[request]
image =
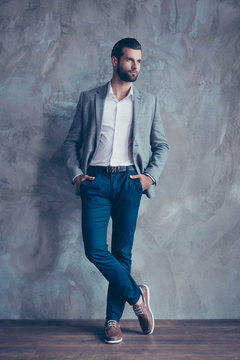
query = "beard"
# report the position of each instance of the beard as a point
(126, 75)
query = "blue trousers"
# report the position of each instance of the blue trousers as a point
(118, 196)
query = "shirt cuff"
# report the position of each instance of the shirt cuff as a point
(154, 181)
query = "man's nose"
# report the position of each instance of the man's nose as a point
(134, 66)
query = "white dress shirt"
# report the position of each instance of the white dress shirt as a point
(116, 139)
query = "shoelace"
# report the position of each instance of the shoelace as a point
(110, 323)
(138, 310)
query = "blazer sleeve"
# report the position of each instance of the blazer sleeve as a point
(159, 145)
(73, 142)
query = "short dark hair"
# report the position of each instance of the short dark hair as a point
(131, 43)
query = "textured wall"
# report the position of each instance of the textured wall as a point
(187, 240)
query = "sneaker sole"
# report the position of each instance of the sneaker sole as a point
(113, 341)
(148, 302)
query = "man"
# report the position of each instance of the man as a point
(115, 151)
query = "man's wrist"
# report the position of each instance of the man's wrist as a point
(75, 177)
(153, 180)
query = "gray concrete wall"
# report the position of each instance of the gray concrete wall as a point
(187, 240)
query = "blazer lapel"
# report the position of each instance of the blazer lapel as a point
(99, 103)
(136, 107)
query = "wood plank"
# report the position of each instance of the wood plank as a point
(83, 339)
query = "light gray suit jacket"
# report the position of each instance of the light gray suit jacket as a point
(150, 147)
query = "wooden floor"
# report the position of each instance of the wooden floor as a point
(82, 339)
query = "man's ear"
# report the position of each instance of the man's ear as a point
(114, 61)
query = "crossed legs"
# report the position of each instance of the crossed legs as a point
(115, 196)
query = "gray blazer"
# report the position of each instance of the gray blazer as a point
(150, 147)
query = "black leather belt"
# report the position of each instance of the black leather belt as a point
(114, 169)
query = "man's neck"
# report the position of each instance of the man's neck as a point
(120, 88)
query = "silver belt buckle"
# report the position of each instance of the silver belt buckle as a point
(113, 169)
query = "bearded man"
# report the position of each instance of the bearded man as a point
(115, 152)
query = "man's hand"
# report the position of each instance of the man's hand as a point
(145, 180)
(79, 179)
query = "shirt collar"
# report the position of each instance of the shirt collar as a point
(111, 94)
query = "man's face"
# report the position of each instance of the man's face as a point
(128, 66)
